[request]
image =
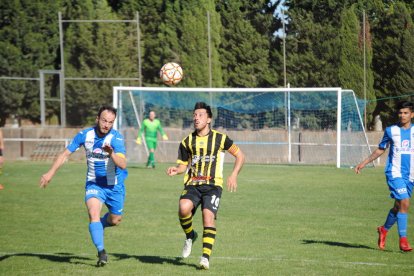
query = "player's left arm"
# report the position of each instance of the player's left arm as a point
(162, 132)
(238, 164)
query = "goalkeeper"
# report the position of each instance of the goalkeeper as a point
(151, 126)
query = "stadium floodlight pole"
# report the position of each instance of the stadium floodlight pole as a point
(210, 77)
(62, 76)
(284, 50)
(365, 70)
(139, 51)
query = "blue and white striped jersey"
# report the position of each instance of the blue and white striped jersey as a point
(101, 169)
(400, 161)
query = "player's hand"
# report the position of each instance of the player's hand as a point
(44, 180)
(165, 137)
(1, 160)
(138, 141)
(171, 171)
(358, 168)
(108, 149)
(232, 183)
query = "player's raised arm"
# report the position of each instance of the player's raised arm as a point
(60, 160)
(118, 158)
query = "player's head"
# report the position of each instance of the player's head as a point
(405, 112)
(202, 116)
(151, 115)
(405, 104)
(105, 119)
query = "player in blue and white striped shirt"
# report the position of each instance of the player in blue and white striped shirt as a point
(106, 161)
(399, 172)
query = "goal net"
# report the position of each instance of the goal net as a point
(270, 125)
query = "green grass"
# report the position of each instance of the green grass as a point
(283, 220)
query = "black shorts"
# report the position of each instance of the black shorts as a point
(206, 195)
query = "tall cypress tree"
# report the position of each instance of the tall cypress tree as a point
(29, 40)
(351, 67)
(244, 52)
(101, 50)
(193, 30)
(393, 60)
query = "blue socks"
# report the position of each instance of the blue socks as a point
(104, 220)
(402, 224)
(391, 219)
(97, 234)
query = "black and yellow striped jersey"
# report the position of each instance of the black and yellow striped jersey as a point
(204, 157)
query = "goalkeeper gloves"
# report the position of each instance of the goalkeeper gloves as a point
(138, 141)
(165, 137)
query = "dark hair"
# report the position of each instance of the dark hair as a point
(106, 107)
(405, 104)
(203, 105)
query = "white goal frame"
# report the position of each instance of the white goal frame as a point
(287, 91)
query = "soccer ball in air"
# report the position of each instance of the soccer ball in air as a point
(171, 73)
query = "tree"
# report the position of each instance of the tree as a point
(102, 50)
(393, 60)
(244, 52)
(28, 43)
(351, 66)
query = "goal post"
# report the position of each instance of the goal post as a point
(271, 125)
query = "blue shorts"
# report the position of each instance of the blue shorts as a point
(112, 196)
(400, 188)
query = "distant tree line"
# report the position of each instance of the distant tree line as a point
(324, 48)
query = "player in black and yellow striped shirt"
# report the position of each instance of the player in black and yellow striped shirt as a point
(201, 157)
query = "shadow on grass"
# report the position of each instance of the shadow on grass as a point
(340, 244)
(154, 259)
(57, 257)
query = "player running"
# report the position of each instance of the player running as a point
(399, 172)
(105, 157)
(201, 157)
(151, 126)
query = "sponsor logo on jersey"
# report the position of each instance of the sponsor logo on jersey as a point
(204, 158)
(200, 178)
(97, 153)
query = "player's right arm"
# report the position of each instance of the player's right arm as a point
(385, 142)
(140, 132)
(182, 165)
(377, 153)
(179, 169)
(60, 160)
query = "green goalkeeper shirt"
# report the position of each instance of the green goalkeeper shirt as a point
(151, 128)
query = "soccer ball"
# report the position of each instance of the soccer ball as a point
(171, 73)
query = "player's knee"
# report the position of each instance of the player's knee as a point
(182, 213)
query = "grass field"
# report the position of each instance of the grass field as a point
(283, 220)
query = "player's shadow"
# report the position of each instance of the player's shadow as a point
(340, 244)
(57, 257)
(154, 259)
